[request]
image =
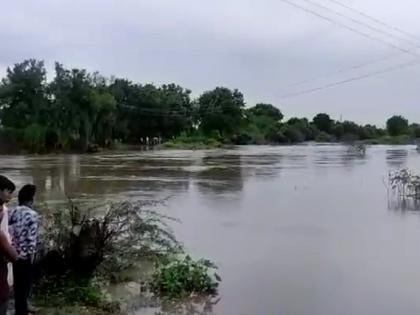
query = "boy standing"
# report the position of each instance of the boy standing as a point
(23, 225)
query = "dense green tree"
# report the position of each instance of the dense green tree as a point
(346, 131)
(397, 125)
(308, 130)
(323, 122)
(103, 116)
(415, 130)
(222, 110)
(371, 132)
(72, 106)
(78, 109)
(293, 133)
(266, 110)
(23, 99)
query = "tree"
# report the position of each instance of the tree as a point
(346, 131)
(323, 122)
(23, 99)
(103, 116)
(293, 133)
(72, 106)
(397, 125)
(221, 110)
(266, 110)
(178, 110)
(415, 130)
(309, 131)
(370, 132)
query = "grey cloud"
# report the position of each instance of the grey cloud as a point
(259, 47)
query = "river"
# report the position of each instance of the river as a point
(294, 229)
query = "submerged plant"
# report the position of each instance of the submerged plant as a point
(358, 147)
(113, 237)
(405, 188)
(405, 184)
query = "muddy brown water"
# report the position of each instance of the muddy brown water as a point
(295, 230)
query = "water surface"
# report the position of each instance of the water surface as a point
(295, 230)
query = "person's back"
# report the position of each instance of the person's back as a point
(23, 224)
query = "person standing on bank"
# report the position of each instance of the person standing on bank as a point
(7, 252)
(23, 225)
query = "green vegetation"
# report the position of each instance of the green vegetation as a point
(88, 249)
(193, 142)
(83, 111)
(397, 125)
(186, 277)
(64, 290)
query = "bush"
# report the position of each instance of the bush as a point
(102, 243)
(242, 139)
(193, 142)
(113, 237)
(64, 290)
(184, 278)
(397, 125)
(397, 140)
(293, 134)
(324, 137)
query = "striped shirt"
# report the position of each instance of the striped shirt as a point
(23, 226)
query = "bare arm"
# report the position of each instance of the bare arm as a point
(6, 249)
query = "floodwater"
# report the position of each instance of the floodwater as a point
(295, 230)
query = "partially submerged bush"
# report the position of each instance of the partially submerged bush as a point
(185, 278)
(113, 237)
(405, 184)
(405, 190)
(357, 148)
(101, 242)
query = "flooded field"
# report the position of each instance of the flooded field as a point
(295, 230)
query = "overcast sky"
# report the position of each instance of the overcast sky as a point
(261, 47)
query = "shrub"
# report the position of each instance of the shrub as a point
(64, 290)
(324, 137)
(293, 134)
(184, 278)
(113, 237)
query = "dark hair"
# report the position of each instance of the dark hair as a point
(26, 194)
(6, 183)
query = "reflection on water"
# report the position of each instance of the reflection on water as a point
(294, 229)
(221, 174)
(396, 158)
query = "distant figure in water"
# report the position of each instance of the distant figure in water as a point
(7, 252)
(23, 225)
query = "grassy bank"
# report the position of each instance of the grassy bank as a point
(192, 143)
(389, 140)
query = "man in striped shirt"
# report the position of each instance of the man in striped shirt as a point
(23, 225)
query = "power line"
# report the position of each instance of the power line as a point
(356, 78)
(343, 70)
(378, 21)
(353, 67)
(364, 64)
(356, 21)
(350, 28)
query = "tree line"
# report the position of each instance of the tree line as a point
(77, 109)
